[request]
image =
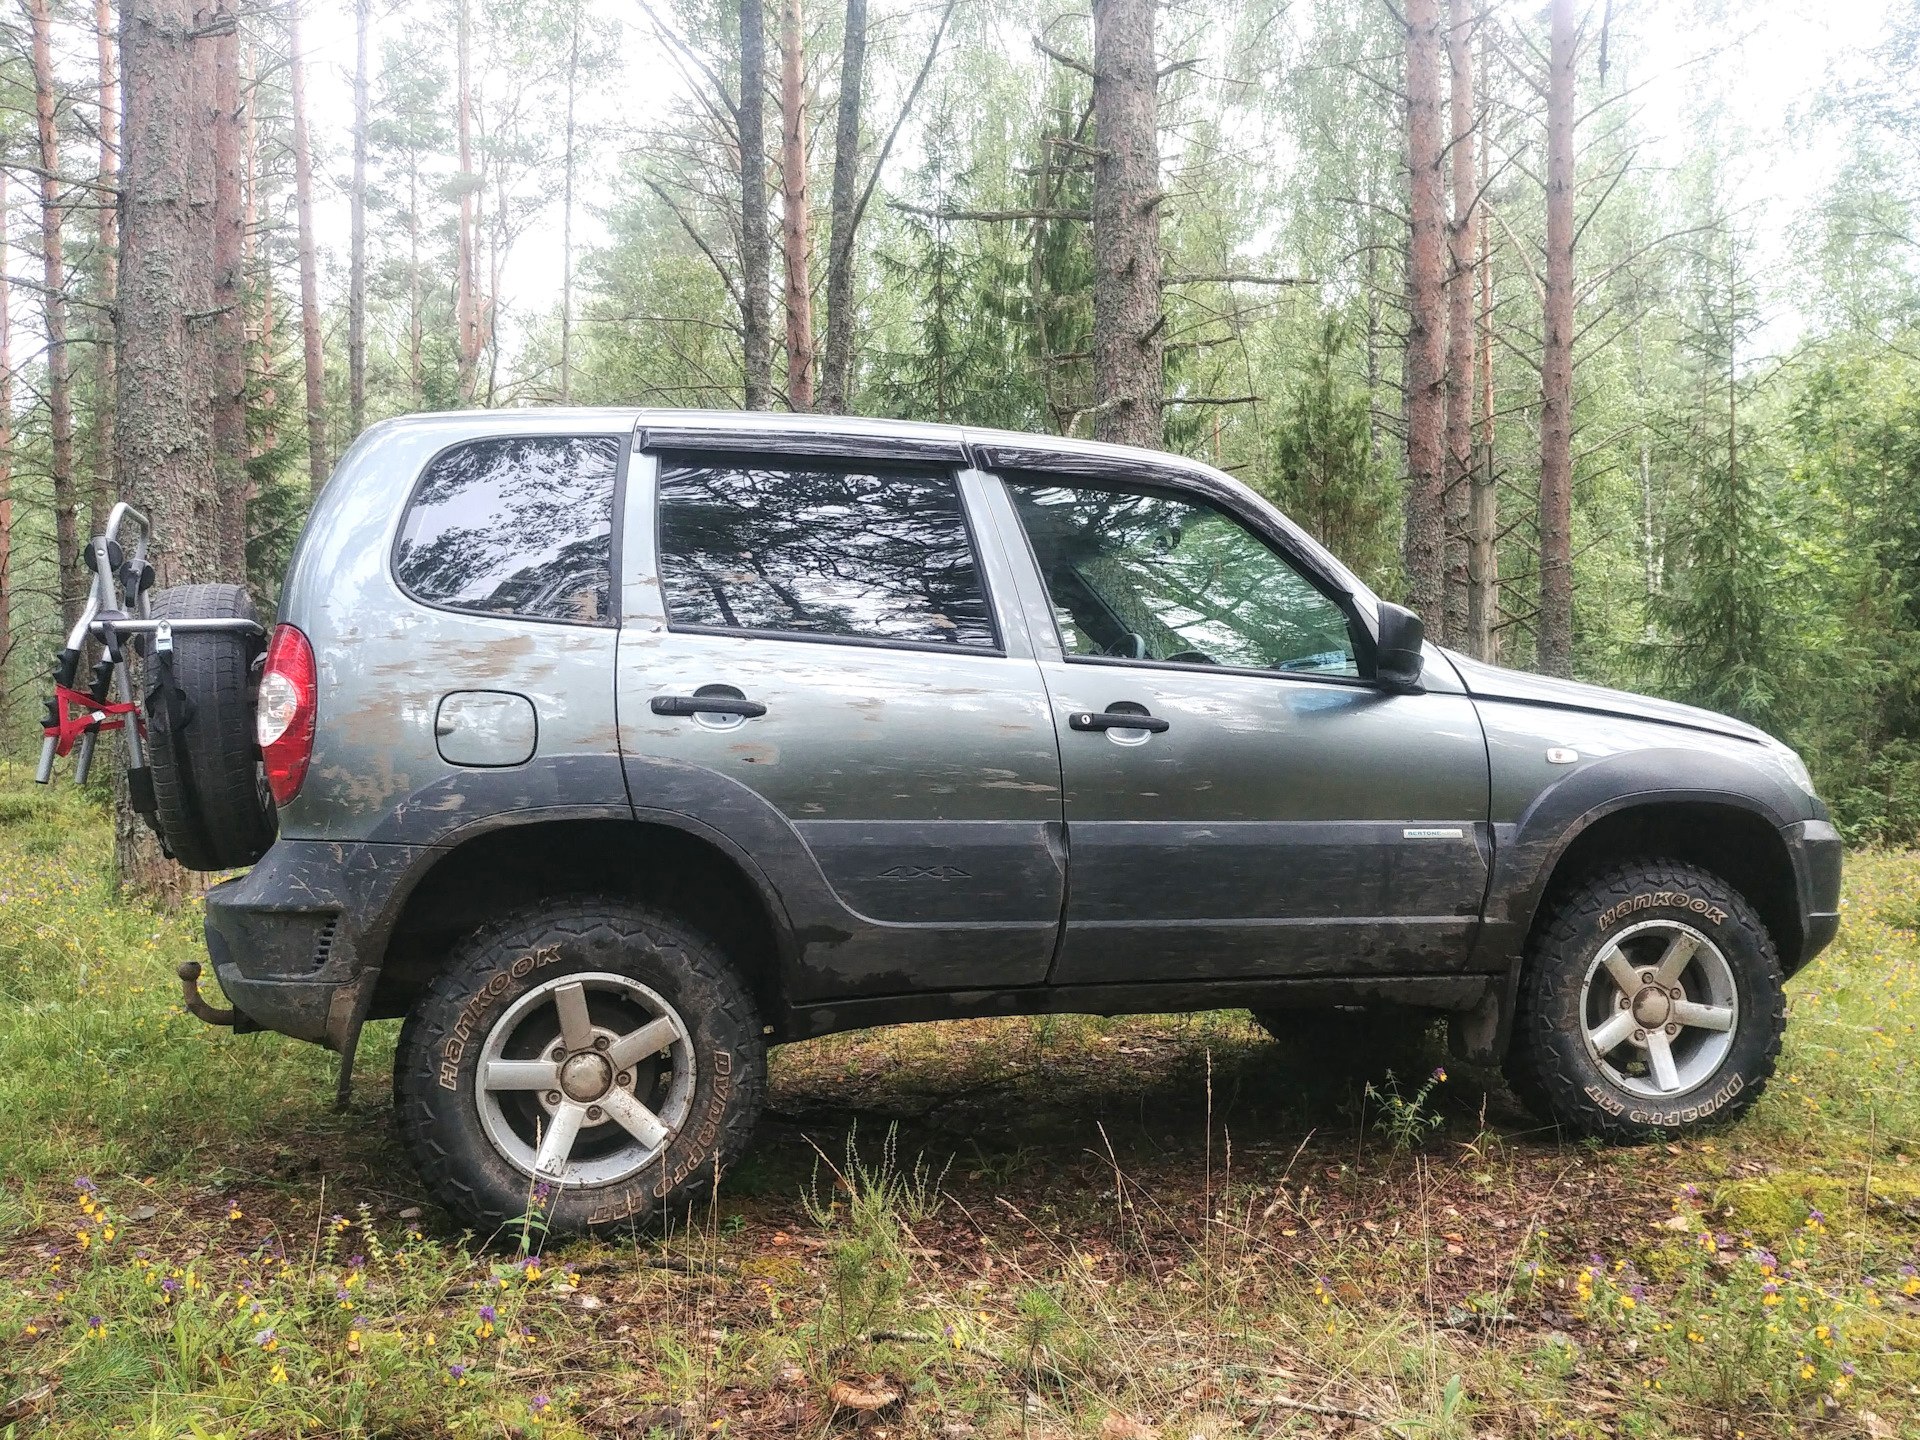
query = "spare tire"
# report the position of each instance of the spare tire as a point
(212, 805)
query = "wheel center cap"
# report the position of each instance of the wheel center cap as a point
(1652, 1006)
(586, 1077)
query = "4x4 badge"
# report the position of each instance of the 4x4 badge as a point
(924, 872)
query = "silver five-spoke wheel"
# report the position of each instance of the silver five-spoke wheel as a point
(1659, 1008)
(585, 1079)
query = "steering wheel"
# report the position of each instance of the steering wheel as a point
(1133, 646)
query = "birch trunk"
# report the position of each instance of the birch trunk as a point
(1426, 316)
(309, 262)
(1554, 652)
(795, 221)
(1127, 322)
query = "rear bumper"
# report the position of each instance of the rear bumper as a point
(1817, 852)
(297, 941)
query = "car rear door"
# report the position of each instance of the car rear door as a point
(811, 662)
(1273, 814)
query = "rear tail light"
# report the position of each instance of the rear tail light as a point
(283, 719)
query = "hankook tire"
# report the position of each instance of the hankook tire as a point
(1651, 1005)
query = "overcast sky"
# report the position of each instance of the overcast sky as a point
(1766, 68)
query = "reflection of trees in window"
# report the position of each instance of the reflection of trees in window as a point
(1182, 577)
(881, 555)
(517, 525)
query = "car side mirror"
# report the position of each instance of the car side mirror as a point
(1397, 656)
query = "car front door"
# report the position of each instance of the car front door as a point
(1273, 813)
(810, 661)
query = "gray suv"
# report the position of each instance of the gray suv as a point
(609, 747)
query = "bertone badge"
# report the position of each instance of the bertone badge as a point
(1560, 755)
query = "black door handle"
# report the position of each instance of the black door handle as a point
(1116, 720)
(707, 705)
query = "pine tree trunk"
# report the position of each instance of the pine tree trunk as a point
(1483, 560)
(846, 185)
(796, 217)
(105, 492)
(66, 500)
(262, 369)
(1426, 316)
(1554, 653)
(357, 202)
(416, 385)
(218, 58)
(1461, 279)
(6, 446)
(566, 218)
(756, 245)
(309, 262)
(466, 295)
(1127, 322)
(165, 456)
(496, 273)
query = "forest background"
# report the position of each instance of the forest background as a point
(1591, 328)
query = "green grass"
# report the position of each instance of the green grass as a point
(1034, 1228)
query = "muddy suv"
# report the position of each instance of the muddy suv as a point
(610, 747)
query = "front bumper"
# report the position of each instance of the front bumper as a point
(297, 941)
(1817, 852)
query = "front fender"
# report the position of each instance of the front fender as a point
(1529, 848)
(1544, 821)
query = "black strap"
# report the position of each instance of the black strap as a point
(173, 711)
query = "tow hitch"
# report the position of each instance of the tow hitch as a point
(189, 973)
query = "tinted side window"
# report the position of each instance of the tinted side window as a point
(871, 553)
(515, 526)
(1146, 576)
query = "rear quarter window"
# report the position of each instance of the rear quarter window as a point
(515, 525)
